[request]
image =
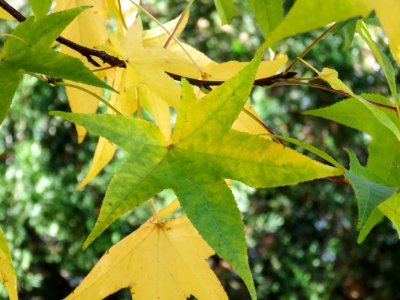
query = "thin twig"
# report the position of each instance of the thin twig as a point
(289, 67)
(249, 113)
(328, 88)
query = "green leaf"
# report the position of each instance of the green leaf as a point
(55, 64)
(42, 32)
(9, 81)
(369, 194)
(375, 217)
(269, 13)
(40, 7)
(226, 10)
(306, 15)
(7, 272)
(384, 149)
(382, 59)
(204, 152)
(31, 51)
(391, 209)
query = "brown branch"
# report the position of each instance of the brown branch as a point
(328, 88)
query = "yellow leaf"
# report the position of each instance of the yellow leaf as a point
(128, 12)
(159, 261)
(225, 71)
(125, 102)
(5, 15)
(332, 77)
(81, 102)
(249, 121)
(158, 108)
(388, 12)
(7, 272)
(88, 29)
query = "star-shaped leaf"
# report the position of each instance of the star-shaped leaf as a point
(203, 153)
(376, 182)
(160, 260)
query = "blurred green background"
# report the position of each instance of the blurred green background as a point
(302, 239)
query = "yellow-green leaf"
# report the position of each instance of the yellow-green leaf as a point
(7, 272)
(306, 15)
(205, 151)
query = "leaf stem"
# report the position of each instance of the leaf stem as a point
(249, 113)
(328, 88)
(154, 209)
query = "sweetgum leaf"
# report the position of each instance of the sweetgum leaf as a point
(160, 260)
(204, 151)
(384, 149)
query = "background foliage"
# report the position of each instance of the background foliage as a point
(302, 239)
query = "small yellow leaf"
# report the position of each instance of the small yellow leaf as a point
(159, 261)
(332, 77)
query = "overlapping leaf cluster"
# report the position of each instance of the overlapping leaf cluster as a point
(217, 136)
